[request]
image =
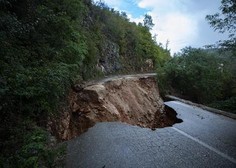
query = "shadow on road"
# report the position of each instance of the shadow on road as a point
(166, 119)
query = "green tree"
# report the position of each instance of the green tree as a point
(225, 21)
(196, 74)
(148, 22)
(42, 50)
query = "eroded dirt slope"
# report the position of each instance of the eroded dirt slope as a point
(134, 100)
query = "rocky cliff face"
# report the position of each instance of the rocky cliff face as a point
(110, 58)
(134, 100)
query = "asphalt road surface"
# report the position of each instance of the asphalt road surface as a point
(203, 140)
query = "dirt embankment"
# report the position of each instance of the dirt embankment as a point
(133, 100)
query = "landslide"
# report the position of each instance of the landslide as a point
(133, 100)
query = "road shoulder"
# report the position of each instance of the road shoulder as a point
(210, 109)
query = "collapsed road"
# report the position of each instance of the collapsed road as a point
(107, 124)
(132, 99)
(203, 139)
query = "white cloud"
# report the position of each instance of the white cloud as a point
(172, 22)
(179, 29)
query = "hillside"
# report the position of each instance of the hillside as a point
(47, 46)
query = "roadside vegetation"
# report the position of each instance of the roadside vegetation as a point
(205, 76)
(208, 75)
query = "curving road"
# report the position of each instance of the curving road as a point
(111, 78)
(203, 139)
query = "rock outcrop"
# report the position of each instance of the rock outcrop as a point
(133, 100)
(110, 58)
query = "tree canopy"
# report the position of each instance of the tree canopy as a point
(147, 21)
(201, 75)
(225, 22)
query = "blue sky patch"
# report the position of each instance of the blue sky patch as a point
(131, 7)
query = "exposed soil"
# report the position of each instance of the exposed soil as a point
(166, 119)
(133, 100)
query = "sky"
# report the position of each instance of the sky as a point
(181, 22)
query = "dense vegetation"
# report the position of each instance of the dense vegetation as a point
(47, 46)
(206, 76)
